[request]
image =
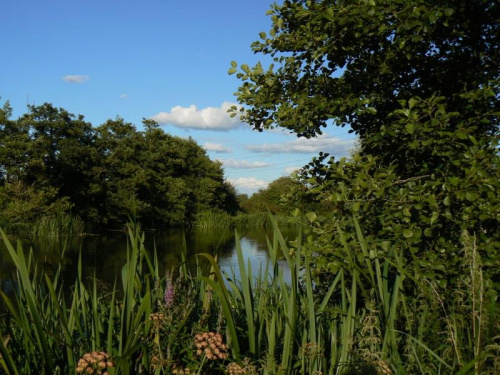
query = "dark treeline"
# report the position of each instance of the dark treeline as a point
(52, 161)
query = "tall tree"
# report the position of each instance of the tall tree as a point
(62, 148)
(53, 160)
(418, 81)
(14, 139)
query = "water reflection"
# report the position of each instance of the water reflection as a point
(105, 255)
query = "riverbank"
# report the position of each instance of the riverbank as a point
(205, 321)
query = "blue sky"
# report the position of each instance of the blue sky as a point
(166, 60)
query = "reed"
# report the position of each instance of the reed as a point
(213, 220)
(62, 224)
(366, 320)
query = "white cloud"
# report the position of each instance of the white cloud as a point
(76, 78)
(290, 170)
(124, 96)
(231, 163)
(210, 118)
(248, 185)
(323, 143)
(216, 147)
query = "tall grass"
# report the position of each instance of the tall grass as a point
(48, 333)
(211, 220)
(61, 224)
(366, 320)
(58, 225)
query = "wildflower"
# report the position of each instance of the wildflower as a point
(169, 292)
(94, 363)
(245, 369)
(210, 344)
(235, 369)
(181, 371)
(158, 319)
(382, 368)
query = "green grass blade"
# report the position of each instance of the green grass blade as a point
(247, 296)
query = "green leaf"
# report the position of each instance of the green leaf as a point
(311, 216)
(356, 206)
(408, 233)
(470, 196)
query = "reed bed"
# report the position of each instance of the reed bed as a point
(57, 226)
(213, 220)
(61, 224)
(364, 320)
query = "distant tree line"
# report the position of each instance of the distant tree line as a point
(53, 161)
(272, 198)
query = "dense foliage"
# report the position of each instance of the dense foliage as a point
(418, 82)
(400, 272)
(270, 198)
(52, 161)
(268, 322)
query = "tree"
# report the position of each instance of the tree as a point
(418, 81)
(354, 62)
(14, 138)
(52, 160)
(165, 179)
(270, 198)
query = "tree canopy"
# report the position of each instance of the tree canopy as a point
(52, 160)
(270, 198)
(418, 81)
(354, 61)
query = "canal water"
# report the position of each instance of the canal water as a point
(104, 255)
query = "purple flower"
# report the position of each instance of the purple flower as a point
(169, 292)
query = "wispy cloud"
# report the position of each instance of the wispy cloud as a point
(76, 78)
(124, 96)
(209, 118)
(244, 164)
(216, 147)
(248, 185)
(323, 143)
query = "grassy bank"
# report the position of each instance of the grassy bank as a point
(362, 321)
(212, 220)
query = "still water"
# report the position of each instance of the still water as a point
(105, 255)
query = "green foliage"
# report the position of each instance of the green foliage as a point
(353, 61)
(22, 205)
(260, 219)
(364, 322)
(270, 198)
(424, 214)
(102, 174)
(211, 220)
(418, 82)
